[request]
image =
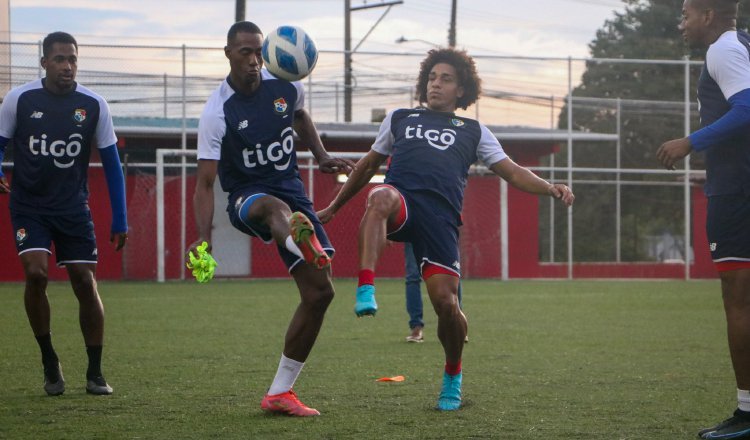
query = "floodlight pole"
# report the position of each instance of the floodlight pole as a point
(452, 28)
(348, 47)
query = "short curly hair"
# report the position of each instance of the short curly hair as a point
(465, 69)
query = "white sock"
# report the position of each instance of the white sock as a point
(743, 400)
(286, 375)
(292, 246)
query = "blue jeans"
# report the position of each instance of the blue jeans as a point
(413, 277)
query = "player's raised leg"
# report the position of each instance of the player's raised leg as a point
(316, 293)
(383, 205)
(443, 291)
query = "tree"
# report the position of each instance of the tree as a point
(651, 98)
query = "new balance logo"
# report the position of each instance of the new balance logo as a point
(243, 124)
(37, 115)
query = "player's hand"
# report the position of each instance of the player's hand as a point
(326, 215)
(4, 187)
(672, 151)
(562, 192)
(194, 248)
(119, 239)
(330, 165)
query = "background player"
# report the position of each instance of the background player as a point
(724, 95)
(432, 150)
(245, 135)
(53, 123)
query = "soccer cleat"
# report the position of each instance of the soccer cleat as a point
(54, 383)
(98, 386)
(737, 426)
(450, 395)
(287, 403)
(303, 234)
(365, 304)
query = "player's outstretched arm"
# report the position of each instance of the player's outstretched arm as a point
(203, 203)
(523, 179)
(308, 135)
(363, 172)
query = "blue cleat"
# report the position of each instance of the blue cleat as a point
(365, 304)
(737, 426)
(450, 395)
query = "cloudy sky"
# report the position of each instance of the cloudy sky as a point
(504, 27)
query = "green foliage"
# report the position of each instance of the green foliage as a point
(552, 360)
(651, 110)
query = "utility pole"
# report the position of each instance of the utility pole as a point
(452, 29)
(347, 61)
(239, 10)
(348, 47)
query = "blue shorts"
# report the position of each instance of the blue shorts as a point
(296, 198)
(431, 226)
(73, 235)
(728, 228)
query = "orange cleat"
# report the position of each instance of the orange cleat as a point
(303, 234)
(287, 403)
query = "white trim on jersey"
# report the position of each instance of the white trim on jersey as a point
(212, 127)
(384, 140)
(10, 107)
(105, 128)
(300, 102)
(728, 63)
(489, 150)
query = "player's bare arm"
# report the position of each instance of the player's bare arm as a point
(360, 176)
(308, 135)
(203, 202)
(523, 179)
(672, 151)
(4, 186)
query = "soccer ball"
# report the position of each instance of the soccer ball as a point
(289, 53)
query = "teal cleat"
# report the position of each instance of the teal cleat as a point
(450, 395)
(365, 304)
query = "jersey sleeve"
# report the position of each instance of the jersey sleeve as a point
(211, 129)
(728, 64)
(8, 115)
(384, 141)
(300, 102)
(489, 150)
(105, 129)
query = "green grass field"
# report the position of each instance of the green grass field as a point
(547, 360)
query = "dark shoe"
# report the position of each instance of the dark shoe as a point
(54, 383)
(737, 426)
(98, 386)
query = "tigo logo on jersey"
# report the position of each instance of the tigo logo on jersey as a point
(276, 153)
(280, 105)
(58, 149)
(21, 235)
(437, 139)
(79, 115)
(457, 122)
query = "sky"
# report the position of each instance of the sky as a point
(531, 28)
(501, 27)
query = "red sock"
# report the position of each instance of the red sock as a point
(366, 276)
(453, 369)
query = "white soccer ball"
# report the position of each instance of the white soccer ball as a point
(289, 53)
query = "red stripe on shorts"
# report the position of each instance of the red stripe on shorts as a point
(724, 266)
(430, 269)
